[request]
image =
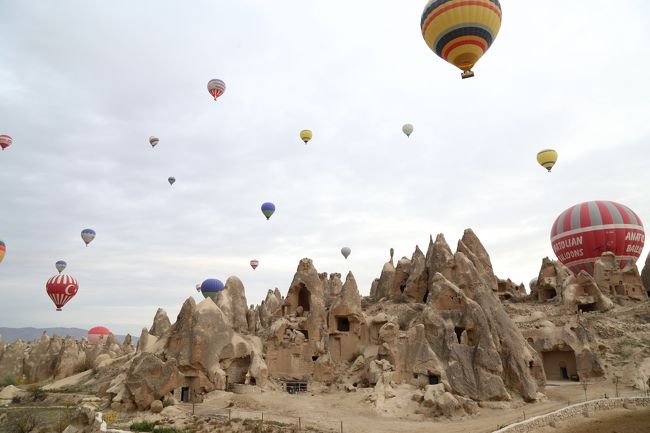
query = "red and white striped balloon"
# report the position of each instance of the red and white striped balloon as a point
(583, 232)
(254, 264)
(216, 88)
(61, 288)
(5, 141)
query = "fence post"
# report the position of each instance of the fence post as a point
(229, 414)
(341, 426)
(524, 412)
(262, 418)
(299, 424)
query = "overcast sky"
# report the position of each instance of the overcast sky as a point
(83, 84)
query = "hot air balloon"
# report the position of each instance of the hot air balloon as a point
(305, 135)
(60, 265)
(268, 209)
(461, 31)
(88, 235)
(211, 287)
(198, 287)
(254, 264)
(5, 141)
(61, 288)
(547, 158)
(153, 141)
(346, 251)
(3, 250)
(407, 129)
(171, 180)
(97, 334)
(583, 232)
(216, 88)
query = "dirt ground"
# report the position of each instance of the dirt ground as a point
(326, 410)
(613, 421)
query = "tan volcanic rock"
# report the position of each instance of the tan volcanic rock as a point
(13, 358)
(645, 275)
(232, 303)
(149, 379)
(161, 323)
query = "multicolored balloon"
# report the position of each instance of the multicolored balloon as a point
(583, 232)
(268, 209)
(171, 180)
(98, 333)
(461, 31)
(61, 288)
(88, 235)
(216, 88)
(407, 129)
(5, 141)
(210, 287)
(255, 264)
(346, 251)
(153, 141)
(60, 265)
(305, 135)
(3, 250)
(547, 158)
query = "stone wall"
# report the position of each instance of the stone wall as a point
(535, 423)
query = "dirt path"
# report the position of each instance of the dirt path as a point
(326, 411)
(612, 421)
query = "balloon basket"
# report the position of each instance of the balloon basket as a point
(467, 74)
(58, 309)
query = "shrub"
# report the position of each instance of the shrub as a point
(111, 417)
(8, 379)
(167, 430)
(142, 426)
(36, 393)
(168, 402)
(23, 421)
(16, 399)
(83, 366)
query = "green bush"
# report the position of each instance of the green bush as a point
(145, 426)
(8, 379)
(168, 402)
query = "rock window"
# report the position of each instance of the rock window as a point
(459, 333)
(434, 379)
(342, 324)
(305, 333)
(304, 298)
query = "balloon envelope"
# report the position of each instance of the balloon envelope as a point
(346, 252)
(3, 250)
(268, 209)
(216, 88)
(5, 141)
(460, 32)
(88, 235)
(96, 334)
(254, 264)
(60, 265)
(583, 232)
(61, 288)
(547, 158)
(171, 180)
(211, 287)
(305, 135)
(153, 141)
(407, 129)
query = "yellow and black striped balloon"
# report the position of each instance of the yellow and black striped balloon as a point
(547, 158)
(461, 31)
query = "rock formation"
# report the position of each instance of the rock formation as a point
(56, 358)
